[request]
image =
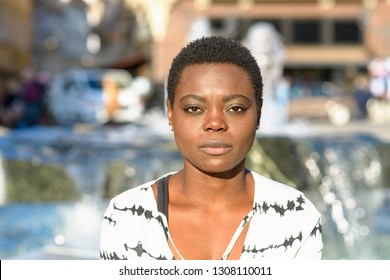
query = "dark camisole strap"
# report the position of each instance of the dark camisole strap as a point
(162, 196)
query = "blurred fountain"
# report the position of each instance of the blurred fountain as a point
(266, 46)
(346, 176)
(59, 182)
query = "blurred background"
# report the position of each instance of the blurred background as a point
(82, 114)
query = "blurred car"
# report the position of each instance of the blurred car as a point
(96, 96)
(326, 103)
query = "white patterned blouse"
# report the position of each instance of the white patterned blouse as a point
(283, 224)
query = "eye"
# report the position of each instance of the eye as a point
(192, 109)
(237, 109)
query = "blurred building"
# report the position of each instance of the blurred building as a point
(15, 37)
(324, 39)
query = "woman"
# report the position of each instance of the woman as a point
(217, 209)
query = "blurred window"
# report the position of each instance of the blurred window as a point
(346, 31)
(306, 31)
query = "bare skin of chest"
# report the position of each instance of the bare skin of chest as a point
(206, 235)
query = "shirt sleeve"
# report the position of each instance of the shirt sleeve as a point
(112, 245)
(311, 248)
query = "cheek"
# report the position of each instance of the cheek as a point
(244, 127)
(184, 132)
(186, 143)
(244, 135)
(184, 122)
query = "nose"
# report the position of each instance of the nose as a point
(215, 121)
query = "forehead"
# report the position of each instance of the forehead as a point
(215, 78)
(214, 71)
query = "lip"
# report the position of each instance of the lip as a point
(215, 148)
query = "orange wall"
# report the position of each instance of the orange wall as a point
(15, 34)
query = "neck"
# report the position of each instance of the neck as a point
(213, 192)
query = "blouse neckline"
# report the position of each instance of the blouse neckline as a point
(244, 222)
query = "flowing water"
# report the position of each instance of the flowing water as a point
(347, 184)
(55, 184)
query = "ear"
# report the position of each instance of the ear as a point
(259, 106)
(169, 111)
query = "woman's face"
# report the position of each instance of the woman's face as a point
(214, 117)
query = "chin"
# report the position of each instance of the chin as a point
(222, 171)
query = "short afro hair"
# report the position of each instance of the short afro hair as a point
(215, 49)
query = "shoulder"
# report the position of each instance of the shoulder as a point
(271, 187)
(141, 195)
(134, 206)
(287, 208)
(132, 227)
(138, 195)
(282, 198)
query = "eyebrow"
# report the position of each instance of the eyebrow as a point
(193, 96)
(235, 96)
(224, 99)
